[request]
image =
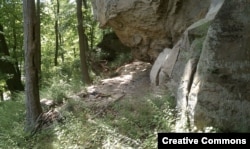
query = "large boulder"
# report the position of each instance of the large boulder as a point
(205, 59)
(148, 26)
(220, 91)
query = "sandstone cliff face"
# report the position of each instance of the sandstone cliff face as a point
(204, 59)
(148, 26)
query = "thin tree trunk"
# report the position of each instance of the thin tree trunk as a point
(74, 49)
(57, 33)
(1, 96)
(3, 45)
(15, 51)
(38, 37)
(33, 106)
(61, 49)
(92, 37)
(16, 64)
(83, 44)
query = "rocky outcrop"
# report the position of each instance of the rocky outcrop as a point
(148, 26)
(204, 59)
(210, 77)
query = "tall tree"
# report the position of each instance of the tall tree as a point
(15, 49)
(57, 31)
(33, 106)
(38, 38)
(1, 96)
(7, 67)
(83, 43)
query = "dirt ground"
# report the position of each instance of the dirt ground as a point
(133, 82)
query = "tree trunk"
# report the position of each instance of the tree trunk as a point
(38, 37)
(33, 106)
(57, 33)
(83, 44)
(16, 65)
(92, 36)
(61, 44)
(1, 96)
(7, 68)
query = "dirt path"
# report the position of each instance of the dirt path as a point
(133, 82)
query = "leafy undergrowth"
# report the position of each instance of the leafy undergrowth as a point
(11, 124)
(127, 123)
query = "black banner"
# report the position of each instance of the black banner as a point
(166, 139)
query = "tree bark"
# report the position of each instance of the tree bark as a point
(7, 68)
(92, 36)
(1, 96)
(16, 65)
(83, 44)
(61, 44)
(38, 38)
(33, 106)
(57, 32)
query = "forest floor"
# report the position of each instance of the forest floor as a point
(132, 81)
(123, 111)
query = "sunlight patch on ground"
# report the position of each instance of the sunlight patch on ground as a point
(124, 79)
(133, 76)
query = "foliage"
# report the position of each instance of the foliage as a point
(13, 30)
(141, 119)
(11, 126)
(69, 62)
(127, 123)
(68, 48)
(120, 60)
(59, 89)
(13, 27)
